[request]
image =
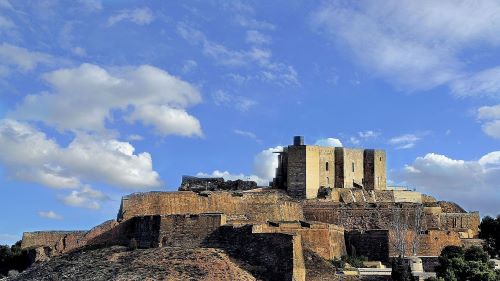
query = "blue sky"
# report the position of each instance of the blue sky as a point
(99, 99)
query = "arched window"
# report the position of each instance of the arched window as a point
(326, 166)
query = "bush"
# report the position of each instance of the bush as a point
(457, 264)
(353, 261)
(490, 233)
(13, 258)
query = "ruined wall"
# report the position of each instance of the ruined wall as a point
(46, 238)
(326, 240)
(373, 244)
(312, 171)
(462, 222)
(239, 208)
(296, 171)
(269, 256)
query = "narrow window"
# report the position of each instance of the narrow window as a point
(326, 166)
(327, 179)
(380, 158)
(353, 167)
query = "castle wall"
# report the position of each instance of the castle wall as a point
(312, 171)
(462, 222)
(380, 174)
(326, 240)
(46, 238)
(353, 170)
(245, 207)
(296, 171)
(373, 244)
(326, 166)
(361, 216)
(269, 256)
(431, 242)
(407, 196)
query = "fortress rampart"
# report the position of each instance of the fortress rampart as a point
(245, 207)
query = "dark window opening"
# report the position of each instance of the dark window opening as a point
(326, 166)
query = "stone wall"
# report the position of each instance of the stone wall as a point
(373, 244)
(374, 169)
(360, 216)
(350, 162)
(190, 183)
(246, 207)
(186, 231)
(312, 172)
(268, 256)
(463, 222)
(296, 171)
(407, 196)
(431, 242)
(326, 240)
(326, 166)
(46, 238)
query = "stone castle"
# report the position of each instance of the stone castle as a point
(324, 201)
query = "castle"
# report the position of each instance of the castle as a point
(323, 201)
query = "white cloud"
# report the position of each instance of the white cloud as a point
(140, 16)
(85, 198)
(84, 97)
(167, 120)
(50, 215)
(91, 5)
(329, 142)
(79, 51)
(247, 134)
(252, 23)
(6, 23)
(368, 134)
(491, 117)
(135, 137)
(240, 103)
(471, 183)
(483, 83)
(27, 154)
(417, 45)
(269, 70)
(256, 37)
(21, 58)
(264, 168)
(188, 66)
(404, 141)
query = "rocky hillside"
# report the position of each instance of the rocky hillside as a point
(118, 263)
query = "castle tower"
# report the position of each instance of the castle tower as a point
(303, 169)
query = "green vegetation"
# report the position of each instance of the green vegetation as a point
(353, 261)
(401, 271)
(459, 264)
(13, 258)
(490, 232)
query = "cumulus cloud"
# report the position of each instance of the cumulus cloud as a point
(329, 142)
(404, 141)
(269, 70)
(139, 16)
(84, 97)
(472, 183)
(85, 198)
(417, 45)
(264, 168)
(28, 154)
(50, 215)
(490, 115)
(21, 58)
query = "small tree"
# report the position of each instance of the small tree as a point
(401, 271)
(457, 264)
(490, 233)
(418, 227)
(399, 229)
